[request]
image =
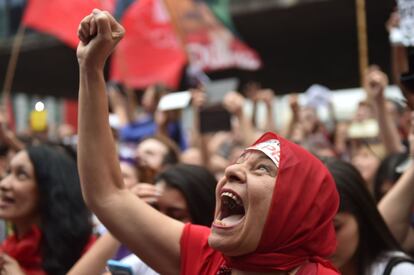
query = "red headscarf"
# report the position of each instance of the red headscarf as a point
(299, 227)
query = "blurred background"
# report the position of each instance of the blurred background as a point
(300, 42)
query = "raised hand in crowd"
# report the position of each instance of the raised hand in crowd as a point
(293, 124)
(251, 92)
(375, 83)
(397, 205)
(268, 96)
(98, 37)
(234, 104)
(122, 103)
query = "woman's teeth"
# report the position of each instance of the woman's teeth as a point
(232, 210)
(233, 197)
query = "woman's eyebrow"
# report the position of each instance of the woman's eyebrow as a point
(264, 157)
(23, 167)
(241, 157)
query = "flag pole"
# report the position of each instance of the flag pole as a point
(14, 57)
(11, 67)
(362, 38)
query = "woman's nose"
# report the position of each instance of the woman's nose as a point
(235, 173)
(5, 183)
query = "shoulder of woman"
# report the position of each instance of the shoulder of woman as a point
(403, 268)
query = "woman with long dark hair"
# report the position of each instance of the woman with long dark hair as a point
(41, 198)
(365, 244)
(196, 186)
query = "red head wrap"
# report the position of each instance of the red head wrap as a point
(299, 226)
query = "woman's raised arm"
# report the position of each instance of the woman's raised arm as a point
(151, 235)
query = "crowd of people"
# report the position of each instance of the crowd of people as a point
(315, 198)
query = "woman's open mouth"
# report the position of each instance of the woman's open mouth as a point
(231, 210)
(6, 200)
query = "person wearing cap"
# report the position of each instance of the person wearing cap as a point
(275, 205)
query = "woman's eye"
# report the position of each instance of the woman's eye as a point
(22, 175)
(264, 168)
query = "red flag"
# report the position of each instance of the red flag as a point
(61, 18)
(150, 51)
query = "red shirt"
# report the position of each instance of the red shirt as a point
(197, 257)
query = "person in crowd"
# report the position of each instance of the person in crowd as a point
(264, 222)
(213, 149)
(366, 156)
(256, 94)
(306, 128)
(399, 58)
(398, 203)
(365, 244)
(130, 173)
(183, 192)
(154, 154)
(388, 173)
(400, 116)
(136, 126)
(369, 145)
(375, 83)
(192, 187)
(41, 198)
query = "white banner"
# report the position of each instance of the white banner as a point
(406, 11)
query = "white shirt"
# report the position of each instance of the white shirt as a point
(404, 268)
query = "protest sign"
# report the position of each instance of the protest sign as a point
(406, 11)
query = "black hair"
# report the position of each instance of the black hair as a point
(65, 220)
(387, 171)
(374, 236)
(198, 185)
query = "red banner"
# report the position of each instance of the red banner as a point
(210, 45)
(61, 18)
(150, 51)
